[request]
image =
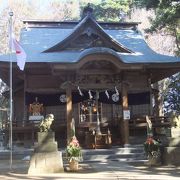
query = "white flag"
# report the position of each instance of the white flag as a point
(107, 94)
(80, 92)
(20, 53)
(90, 95)
(116, 90)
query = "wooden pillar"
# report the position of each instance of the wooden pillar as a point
(125, 108)
(69, 111)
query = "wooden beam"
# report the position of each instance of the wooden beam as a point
(97, 71)
(98, 86)
(43, 90)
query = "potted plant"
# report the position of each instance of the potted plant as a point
(74, 154)
(152, 150)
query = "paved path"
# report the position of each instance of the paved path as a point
(109, 170)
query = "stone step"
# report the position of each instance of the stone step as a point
(113, 151)
(114, 157)
(20, 154)
(132, 153)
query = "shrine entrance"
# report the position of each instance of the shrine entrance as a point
(96, 118)
(96, 133)
(90, 111)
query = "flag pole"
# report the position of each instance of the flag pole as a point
(11, 99)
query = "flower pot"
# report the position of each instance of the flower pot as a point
(74, 165)
(154, 160)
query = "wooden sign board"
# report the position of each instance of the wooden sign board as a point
(126, 114)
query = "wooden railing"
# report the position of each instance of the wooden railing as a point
(140, 122)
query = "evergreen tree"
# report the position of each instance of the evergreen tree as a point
(172, 96)
(167, 19)
(110, 10)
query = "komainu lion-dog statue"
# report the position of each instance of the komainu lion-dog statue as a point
(45, 124)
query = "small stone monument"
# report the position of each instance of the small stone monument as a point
(171, 155)
(46, 157)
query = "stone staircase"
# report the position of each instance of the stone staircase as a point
(132, 153)
(17, 154)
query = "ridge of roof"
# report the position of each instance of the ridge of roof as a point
(78, 30)
(39, 23)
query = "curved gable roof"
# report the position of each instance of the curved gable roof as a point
(92, 34)
(40, 35)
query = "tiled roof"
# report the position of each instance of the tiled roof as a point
(37, 39)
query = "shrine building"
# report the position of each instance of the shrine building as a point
(97, 74)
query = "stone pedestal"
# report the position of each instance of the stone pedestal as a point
(46, 157)
(171, 153)
(171, 156)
